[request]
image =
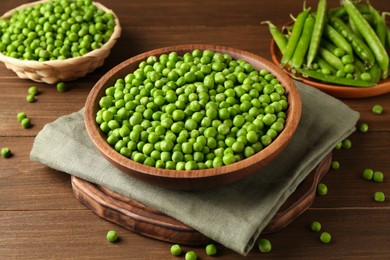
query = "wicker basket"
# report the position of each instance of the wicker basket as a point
(61, 70)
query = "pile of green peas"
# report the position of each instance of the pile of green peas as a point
(55, 30)
(196, 111)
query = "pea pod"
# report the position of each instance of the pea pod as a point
(358, 45)
(330, 58)
(294, 37)
(332, 48)
(379, 25)
(335, 80)
(324, 65)
(375, 73)
(353, 27)
(337, 39)
(317, 31)
(303, 43)
(278, 36)
(340, 10)
(370, 36)
(388, 38)
(360, 66)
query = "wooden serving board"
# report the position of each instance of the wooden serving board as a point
(148, 222)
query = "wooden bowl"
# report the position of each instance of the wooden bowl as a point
(338, 91)
(192, 179)
(54, 71)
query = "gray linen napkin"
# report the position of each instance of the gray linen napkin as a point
(233, 215)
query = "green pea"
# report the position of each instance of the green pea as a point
(315, 226)
(379, 196)
(61, 87)
(363, 127)
(346, 144)
(176, 250)
(325, 237)
(25, 123)
(335, 165)
(211, 250)
(322, 189)
(30, 98)
(112, 236)
(264, 245)
(33, 90)
(5, 152)
(20, 116)
(228, 159)
(191, 255)
(377, 109)
(378, 176)
(368, 174)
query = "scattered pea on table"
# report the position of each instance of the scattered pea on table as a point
(191, 255)
(264, 245)
(112, 235)
(5, 152)
(378, 176)
(30, 98)
(363, 127)
(347, 144)
(33, 90)
(315, 226)
(325, 237)
(176, 249)
(211, 249)
(368, 174)
(25, 123)
(335, 165)
(377, 109)
(20, 116)
(379, 196)
(61, 87)
(322, 189)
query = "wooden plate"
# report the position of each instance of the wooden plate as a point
(148, 222)
(193, 179)
(335, 90)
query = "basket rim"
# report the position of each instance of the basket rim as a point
(54, 63)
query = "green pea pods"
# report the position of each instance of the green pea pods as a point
(337, 39)
(353, 27)
(278, 36)
(330, 58)
(303, 43)
(375, 73)
(388, 38)
(294, 37)
(332, 48)
(324, 65)
(335, 80)
(379, 25)
(370, 36)
(341, 13)
(358, 45)
(360, 66)
(317, 32)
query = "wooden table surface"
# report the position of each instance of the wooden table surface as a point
(41, 219)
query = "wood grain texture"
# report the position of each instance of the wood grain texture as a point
(41, 219)
(193, 179)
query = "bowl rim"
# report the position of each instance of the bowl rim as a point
(53, 63)
(261, 158)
